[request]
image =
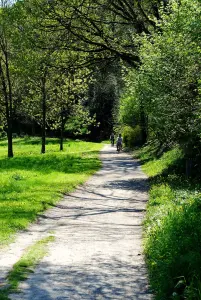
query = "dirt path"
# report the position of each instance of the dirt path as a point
(97, 248)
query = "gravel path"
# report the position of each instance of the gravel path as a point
(97, 248)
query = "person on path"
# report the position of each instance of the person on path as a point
(119, 142)
(112, 138)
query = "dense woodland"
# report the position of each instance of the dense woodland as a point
(85, 67)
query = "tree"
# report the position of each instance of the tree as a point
(104, 91)
(101, 32)
(101, 28)
(69, 90)
(8, 56)
(167, 82)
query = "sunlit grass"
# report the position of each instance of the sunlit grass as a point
(25, 265)
(31, 257)
(106, 142)
(157, 165)
(172, 227)
(30, 181)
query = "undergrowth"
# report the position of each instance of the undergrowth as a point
(172, 227)
(30, 181)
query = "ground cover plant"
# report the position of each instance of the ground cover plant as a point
(30, 181)
(172, 227)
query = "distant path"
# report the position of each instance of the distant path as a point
(97, 251)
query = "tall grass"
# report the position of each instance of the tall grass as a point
(29, 182)
(172, 227)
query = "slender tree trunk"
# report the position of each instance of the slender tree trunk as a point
(62, 132)
(43, 113)
(8, 106)
(10, 139)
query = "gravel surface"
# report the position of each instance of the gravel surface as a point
(97, 250)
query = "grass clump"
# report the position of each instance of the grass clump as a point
(172, 227)
(30, 182)
(25, 265)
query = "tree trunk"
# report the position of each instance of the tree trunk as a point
(10, 139)
(8, 106)
(43, 114)
(62, 132)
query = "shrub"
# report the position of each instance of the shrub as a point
(132, 136)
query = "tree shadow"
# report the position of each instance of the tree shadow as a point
(50, 163)
(27, 141)
(114, 279)
(175, 176)
(84, 212)
(153, 151)
(137, 184)
(96, 202)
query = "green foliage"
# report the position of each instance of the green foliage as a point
(104, 91)
(129, 107)
(163, 95)
(172, 228)
(110, 24)
(80, 121)
(30, 182)
(132, 136)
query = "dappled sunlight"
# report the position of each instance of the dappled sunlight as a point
(29, 181)
(112, 279)
(51, 163)
(97, 252)
(155, 166)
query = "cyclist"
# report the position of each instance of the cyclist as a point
(119, 142)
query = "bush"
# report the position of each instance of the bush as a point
(132, 136)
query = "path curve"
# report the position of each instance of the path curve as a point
(97, 250)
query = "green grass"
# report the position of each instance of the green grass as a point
(29, 181)
(172, 227)
(25, 265)
(106, 142)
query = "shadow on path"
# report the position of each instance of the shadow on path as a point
(98, 232)
(88, 281)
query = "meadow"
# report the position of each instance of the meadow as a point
(30, 182)
(172, 238)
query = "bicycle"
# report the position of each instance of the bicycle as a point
(119, 147)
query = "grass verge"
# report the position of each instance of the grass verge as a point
(30, 182)
(172, 227)
(25, 266)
